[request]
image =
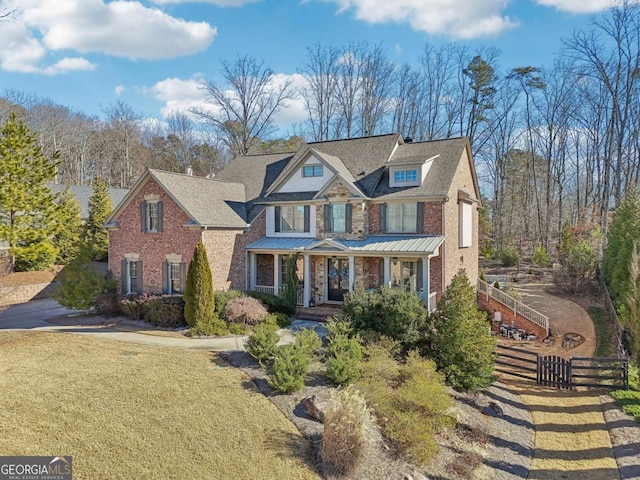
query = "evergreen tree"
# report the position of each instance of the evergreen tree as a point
(67, 241)
(625, 229)
(198, 294)
(96, 235)
(461, 344)
(28, 210)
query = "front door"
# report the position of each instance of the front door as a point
(337, 279)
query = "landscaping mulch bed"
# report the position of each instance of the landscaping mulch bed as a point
(493, 440)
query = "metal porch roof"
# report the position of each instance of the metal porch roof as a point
(375, 244)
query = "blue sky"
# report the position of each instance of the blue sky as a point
(88, 54)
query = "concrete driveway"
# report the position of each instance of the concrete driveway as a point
(32, 314)
(48, 315)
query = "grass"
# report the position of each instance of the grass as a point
(132, 411)
(629, 400)
(604, 334)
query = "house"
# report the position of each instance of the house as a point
(83, 193)
(362, 212)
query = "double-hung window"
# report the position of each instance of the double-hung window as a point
(402, 217)
(312, 171)
(131, 276)
(337, 218)
(173, 277)
(151, 216)
(292, 218)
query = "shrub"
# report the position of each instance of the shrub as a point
(510, 255)
(34, 256)
(134, 306)
(81, 284)
(461, 343)
(108, 304)
(540, 256)
(271, 321)
(289, 293)
(262, 344)
(290, 365)
(282, 319)
(393, 312)
(221, 299)
(347, 423)
(165, 311)
(274, 304)
(344, 355)
(411, 401)
(339, 324)
(211, 327)
(308, 341)
(246, 310)
(198, 294)
(629, 401)
(237, 328)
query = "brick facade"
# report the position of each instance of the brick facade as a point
(152, 248)
(508, 317)
(226, 251)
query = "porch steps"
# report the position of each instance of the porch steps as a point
(319, 313)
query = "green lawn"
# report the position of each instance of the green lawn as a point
(604, 334)
(140, 412)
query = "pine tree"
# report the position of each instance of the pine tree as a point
(461, 344)
(28, 210)
(96, 235)
(67, 241)
(198, 294)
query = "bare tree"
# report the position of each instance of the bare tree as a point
(243, 110)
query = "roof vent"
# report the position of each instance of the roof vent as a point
(408, 139)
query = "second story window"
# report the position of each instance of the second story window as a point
(402, 217)
(312, 171)
(292, 219)
(337, 218)
(151, 216)
(405, 176)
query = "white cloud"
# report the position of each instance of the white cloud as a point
(119, 90)
(454, 18)
(69, 64)
(578, 6)
(180, 95)
(122, 28)
(220, 3)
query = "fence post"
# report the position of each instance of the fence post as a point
(539, 369)
(570, 373)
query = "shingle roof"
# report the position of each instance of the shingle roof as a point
(209, 202)
(82, 194)
(443, 168)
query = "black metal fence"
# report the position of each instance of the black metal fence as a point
(557, 372)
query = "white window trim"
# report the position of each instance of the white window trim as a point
(130, 262)
(313, 170)
(148, 216)
(465, 224)
(295, 228)
(332, 225)
(402, 219)
(405, 183)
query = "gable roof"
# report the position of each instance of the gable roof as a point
(82, 194)
(207, 202)
(446, 155)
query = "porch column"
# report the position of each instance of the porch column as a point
(352, 273)
(387, 271)
(276, 274)
(426, 280)
(253, 270)
(307, 280)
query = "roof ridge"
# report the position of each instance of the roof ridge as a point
(186, 175)
(353, 138)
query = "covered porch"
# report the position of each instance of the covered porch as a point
(329, 269)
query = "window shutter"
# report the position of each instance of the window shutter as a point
(327, 218)
(419, 279)
(183, 276)
(139, 284)
(277, 221)
(383, 218)
(159, 216)
(143, 217)
(307, 218)
(420, 219)
(123, 277)
(166, 288)
(380, 272)
(347, 220)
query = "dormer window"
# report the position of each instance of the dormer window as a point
(312, 171)
(405, 176)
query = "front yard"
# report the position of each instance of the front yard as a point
(130, 411)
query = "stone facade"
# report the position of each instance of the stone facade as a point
(5, 263)
(26, 293)
(338, 193)
(152, 248)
